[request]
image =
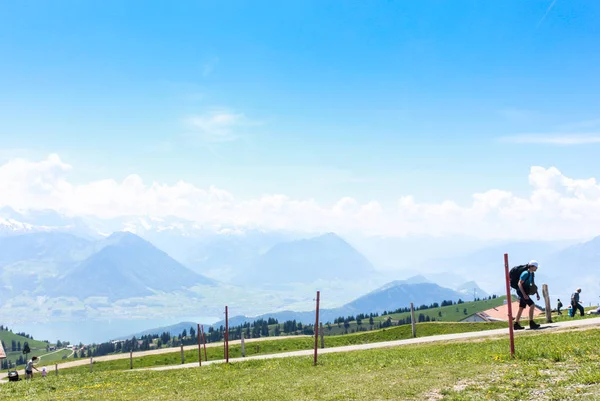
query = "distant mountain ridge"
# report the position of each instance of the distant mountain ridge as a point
(326, 257)
(127, 266)
(389, 297)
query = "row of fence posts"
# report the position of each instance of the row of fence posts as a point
(319, 332)
(319, 327)
(201, 342)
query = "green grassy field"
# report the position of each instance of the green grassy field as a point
(548, 366)
(291, 344)
(54, 357)
(451, 313)
(37, 347)
(454, 313)
(8, 337)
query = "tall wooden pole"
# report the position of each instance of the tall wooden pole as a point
(226, 336)
(509, 304)
(243, 345)
(199, 347)
(204, 342)
(317, 328)
(412, 320)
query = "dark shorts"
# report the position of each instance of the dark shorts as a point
(524, 302)
(29, 372)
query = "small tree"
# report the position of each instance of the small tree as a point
(26, 349)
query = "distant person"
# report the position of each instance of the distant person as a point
(594, 312)
(575, 302)
(526, 288)
(29, 368)
(558, 306)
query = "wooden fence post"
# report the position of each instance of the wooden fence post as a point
(91, 363)
(130, 359)
(226, 334)
(322, 335)
(412, 320)
(56, 368)
(204, 343)
(316, 327)
(199, 347)
(182, 357)
(548, 307)
(243, 345)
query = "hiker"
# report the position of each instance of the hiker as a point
(575, 303)
(29, 368)
(526, 288)
(558, 306)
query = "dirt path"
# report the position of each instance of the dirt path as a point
(547, 327)
(86, 361)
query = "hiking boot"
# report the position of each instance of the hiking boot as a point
(533, 325)
(517, 326)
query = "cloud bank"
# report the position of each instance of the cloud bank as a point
(557, 207)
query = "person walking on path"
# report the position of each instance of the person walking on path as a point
(575, 303)
(558, 306)
(527, 287)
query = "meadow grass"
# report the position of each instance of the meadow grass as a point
(8, 337)
(547, 366)
(37, 347)
(289, 344)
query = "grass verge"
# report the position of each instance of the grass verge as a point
(548, 366)
(291, 344)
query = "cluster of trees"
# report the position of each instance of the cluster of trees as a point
(22, 334)
(7, 364)
(16, 346)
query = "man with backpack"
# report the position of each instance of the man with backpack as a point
(525, 287)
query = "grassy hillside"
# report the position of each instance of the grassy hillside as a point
(37, 347)
(8, 337)
(451, 313)
(292, 344)
(555, 366)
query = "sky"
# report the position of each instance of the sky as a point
(383, 116)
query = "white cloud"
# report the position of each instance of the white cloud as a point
(217, 126)
(557, 207)
(553, 139)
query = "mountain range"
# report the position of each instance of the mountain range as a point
(126, 266)
(392, 296)
(134, 267)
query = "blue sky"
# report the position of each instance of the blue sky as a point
(323, 99)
